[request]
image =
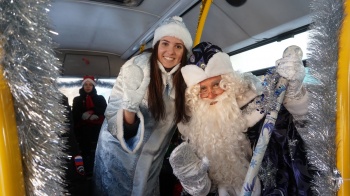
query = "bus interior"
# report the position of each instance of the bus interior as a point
(96, 37)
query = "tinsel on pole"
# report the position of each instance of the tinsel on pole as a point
(11, 175)
(31, 69)
(343, 102)
(320, 131)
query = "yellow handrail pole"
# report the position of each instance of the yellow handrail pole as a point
(11, 174)
(342, 121)
(202, 18)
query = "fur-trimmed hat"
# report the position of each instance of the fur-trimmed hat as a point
(90, 79)
(207, 61)
(173, 26)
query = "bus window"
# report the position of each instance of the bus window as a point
(265, 56)
(70, 87)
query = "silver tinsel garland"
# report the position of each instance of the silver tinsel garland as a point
(327, 16)
(31, 69)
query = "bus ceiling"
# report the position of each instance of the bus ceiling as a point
(108, 27)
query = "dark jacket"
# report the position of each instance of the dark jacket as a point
(79, 107)
(87, 131)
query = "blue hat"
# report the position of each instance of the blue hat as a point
(207, 60)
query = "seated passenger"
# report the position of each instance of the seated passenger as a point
(88, 115)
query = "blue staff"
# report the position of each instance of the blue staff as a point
(264, 138)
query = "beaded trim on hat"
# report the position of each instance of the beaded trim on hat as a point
(174, 19)
(209, 49)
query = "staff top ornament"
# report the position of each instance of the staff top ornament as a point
(293, 52)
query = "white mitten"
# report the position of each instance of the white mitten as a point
(190, 170)
(86, 115)
(136, 77)
(94, 117)
(254, 83)
(291, 67)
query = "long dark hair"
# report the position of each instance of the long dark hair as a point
(155, 89)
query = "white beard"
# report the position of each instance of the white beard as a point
(217, 133)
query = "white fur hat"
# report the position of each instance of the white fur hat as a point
(207, 61)
(90, 79)
(174, 27)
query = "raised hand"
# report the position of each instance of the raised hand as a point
(291, 67)
(136, 77)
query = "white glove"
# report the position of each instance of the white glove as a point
(190, 170)
(86, 115)
(255, 83)
(136, 77)
(94, 117)
(291, 67)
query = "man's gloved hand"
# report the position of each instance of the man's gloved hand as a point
(255, 83)
(94, 117)
(291, 67)
(136, 78)
(190, 170)
(86, 115)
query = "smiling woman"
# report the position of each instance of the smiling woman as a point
(170, 50)
(145, 104)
